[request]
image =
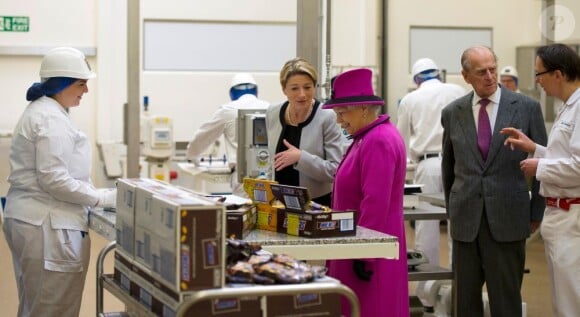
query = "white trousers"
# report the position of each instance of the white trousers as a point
(561, 233)
(50, 266)
(427, 234)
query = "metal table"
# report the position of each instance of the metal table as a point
(424, 272)
(107, 282)
(425, 211)
(366, 244)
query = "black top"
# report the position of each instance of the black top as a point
(289, 175)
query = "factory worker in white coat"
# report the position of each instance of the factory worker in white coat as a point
(46, 214)
(244, 95)
(419, 121)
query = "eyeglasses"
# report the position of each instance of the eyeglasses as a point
(544, 72)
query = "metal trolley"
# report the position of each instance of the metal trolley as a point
(105, 281)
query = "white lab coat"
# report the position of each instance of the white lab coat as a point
(419, 116)
(559, 175)
(223, 123)
(419, 121)
(50, 191)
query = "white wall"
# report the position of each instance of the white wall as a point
(51, 24)
(513, 22)
(189, 97)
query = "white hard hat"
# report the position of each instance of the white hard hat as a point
(65, 62)
(242, 78)
(509, 71)
(422, 65)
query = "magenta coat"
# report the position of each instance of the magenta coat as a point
(371, 179)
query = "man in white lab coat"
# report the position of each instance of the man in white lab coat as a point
(556, 167)
(243, 93)
(419, 121)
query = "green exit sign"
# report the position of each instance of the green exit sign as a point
(14, 24)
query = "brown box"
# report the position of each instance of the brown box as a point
(294, 198)
(305, 221)
(311, 305)
(336, 223)
(226, 307)
(162, 301)
(270, 218)
(240, 222)
(187, 246)
(260, 192)
(122, 272)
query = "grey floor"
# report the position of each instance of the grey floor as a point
(535, 289)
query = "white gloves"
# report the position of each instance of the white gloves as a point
(107, 197)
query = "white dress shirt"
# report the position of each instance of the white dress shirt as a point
(491, 108)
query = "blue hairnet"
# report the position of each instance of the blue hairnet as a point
(426, 75)
(51, 87)
(243, 89)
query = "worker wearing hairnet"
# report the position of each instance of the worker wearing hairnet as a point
(46, 214)
(243, 93)
(419, 123)
(508, 77)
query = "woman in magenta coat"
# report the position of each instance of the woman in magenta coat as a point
(370, 179)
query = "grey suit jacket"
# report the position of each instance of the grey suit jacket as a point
(498, 183)
(322, 145)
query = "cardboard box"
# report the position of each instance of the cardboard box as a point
(122, 272)
(188, 248)
(321, 224)
(226, 307)
(327, 305)
(270, 218)
(294, 198)
(240, 222)
(305, 221)
(145, 221)
(260, 192)
(164, 302)
(125, 214)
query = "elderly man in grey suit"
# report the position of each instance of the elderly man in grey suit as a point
(489, 207)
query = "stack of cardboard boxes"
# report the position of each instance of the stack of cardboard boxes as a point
(268, 217)
(288, 209)
(170, 244)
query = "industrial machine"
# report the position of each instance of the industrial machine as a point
(253, 157)
(157, 146)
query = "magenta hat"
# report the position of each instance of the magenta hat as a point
(351, 88)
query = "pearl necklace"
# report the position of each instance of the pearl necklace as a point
(297, 122)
